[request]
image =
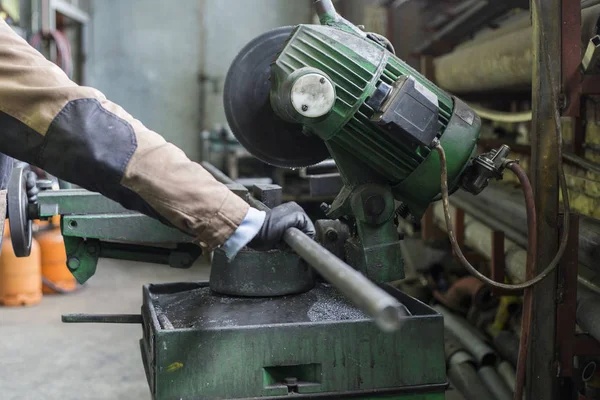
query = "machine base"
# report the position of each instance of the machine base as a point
(202, 345)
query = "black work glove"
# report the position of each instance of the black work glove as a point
(279, 220)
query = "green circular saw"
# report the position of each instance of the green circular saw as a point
(297, 95)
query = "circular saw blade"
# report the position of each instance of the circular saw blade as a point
(249, 113)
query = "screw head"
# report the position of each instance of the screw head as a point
(322, 80)
(73, 263)
(304, 107)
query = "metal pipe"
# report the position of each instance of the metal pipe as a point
(468, 336)
(493, 204)
(374, 301)
(102, 318)
(386, 311)
(589, 3)
(494, 383)
(217, 173)
(581, 162)
(507, 373)
(477, 236)
(325, 10)
(464, 378)
(502, 62)
(507, 344)
(461, 369)
(588, 318)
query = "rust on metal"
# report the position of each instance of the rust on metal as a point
(591, 85)
(498, 264)
(571, 56)
(547, 17)
(567, 301)
(585, 345)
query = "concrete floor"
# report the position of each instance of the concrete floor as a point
(42, 358)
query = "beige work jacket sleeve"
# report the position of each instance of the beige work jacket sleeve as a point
(75, 133)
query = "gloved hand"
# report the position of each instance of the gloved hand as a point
(279, 220)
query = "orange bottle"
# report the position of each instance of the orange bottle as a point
(20, 278)
(54, 258)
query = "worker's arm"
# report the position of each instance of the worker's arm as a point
(75, 133)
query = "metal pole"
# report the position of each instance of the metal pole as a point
(495, 383)
(102, 318)
(386, 311)
(325, 9)
(541, 382)
(217, 173)
(374, 301)
(468, 336)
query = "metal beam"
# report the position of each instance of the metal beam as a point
(541, 382)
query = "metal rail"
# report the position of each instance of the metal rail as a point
(386, 311)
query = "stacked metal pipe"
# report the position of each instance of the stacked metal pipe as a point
(502, 59)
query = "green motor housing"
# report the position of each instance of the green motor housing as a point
(374, 107)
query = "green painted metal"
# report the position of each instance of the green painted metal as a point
(260, 274)
(376, 250)
(77, 201)
(460, 142)
(132, 227)
(220, 358)
(82, 257)
(92, 225)
(356, 66)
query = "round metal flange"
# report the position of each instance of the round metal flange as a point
(20, 224)
(250, 115)
(260, 274)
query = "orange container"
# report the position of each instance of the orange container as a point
(20, 278)
(54, 259)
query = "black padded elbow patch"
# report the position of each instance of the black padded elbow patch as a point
(85, 144)
(88, 145)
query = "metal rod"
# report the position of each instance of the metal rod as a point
(102, 318)
(164, 322)
(508, 374)
(217, 173)
(374, 301)
(386, 311)
(589, 3)
(468, 336)
(325, 9)
(495, 383)
(464, 377)
(500, 61)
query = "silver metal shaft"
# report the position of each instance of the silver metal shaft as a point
(325, 8)
(370, 298)
(386, 311)
(468, 336)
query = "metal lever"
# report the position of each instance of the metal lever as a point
(386, 311)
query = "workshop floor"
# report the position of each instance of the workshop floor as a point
(42, 358)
